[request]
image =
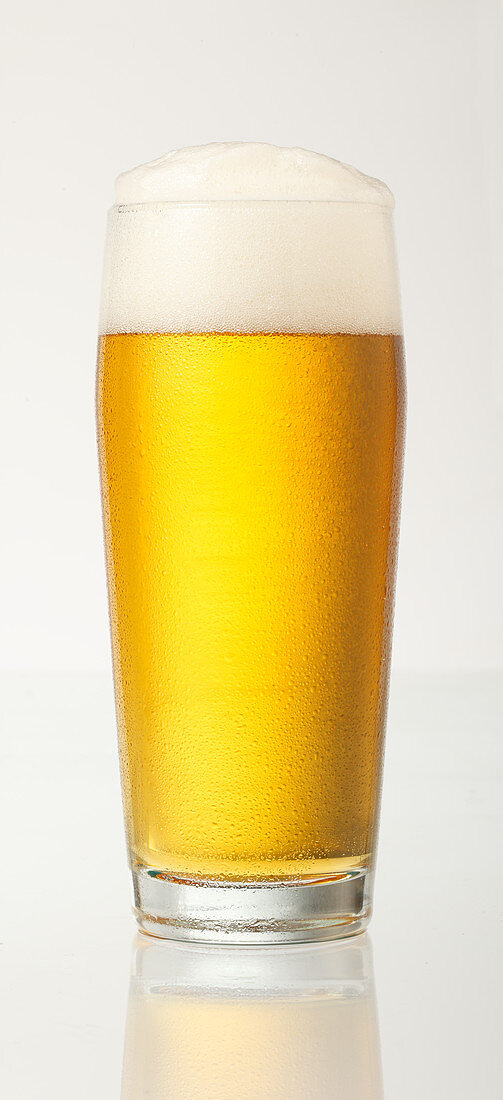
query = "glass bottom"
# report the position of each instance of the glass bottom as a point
(252, 912)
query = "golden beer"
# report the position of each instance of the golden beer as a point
(250, 414)
(249, 486)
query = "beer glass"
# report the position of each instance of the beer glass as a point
(250, 413)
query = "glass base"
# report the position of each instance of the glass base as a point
(252, 912)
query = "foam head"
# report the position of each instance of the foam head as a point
(244, 237)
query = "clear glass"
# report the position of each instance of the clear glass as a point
(250, 414)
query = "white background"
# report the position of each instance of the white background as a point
(406, 91)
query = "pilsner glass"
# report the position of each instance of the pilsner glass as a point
(250, 412)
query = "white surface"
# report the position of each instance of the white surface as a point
(408, 91)
(68, 936)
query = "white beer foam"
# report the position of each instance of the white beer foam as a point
(247, 170)
(246, 238)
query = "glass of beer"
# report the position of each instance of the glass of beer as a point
(250, 416)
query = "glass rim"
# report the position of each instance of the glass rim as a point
(160, 204)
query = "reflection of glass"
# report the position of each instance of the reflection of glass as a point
(283, 1024)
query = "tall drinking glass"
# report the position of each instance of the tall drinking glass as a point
(250, 412)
